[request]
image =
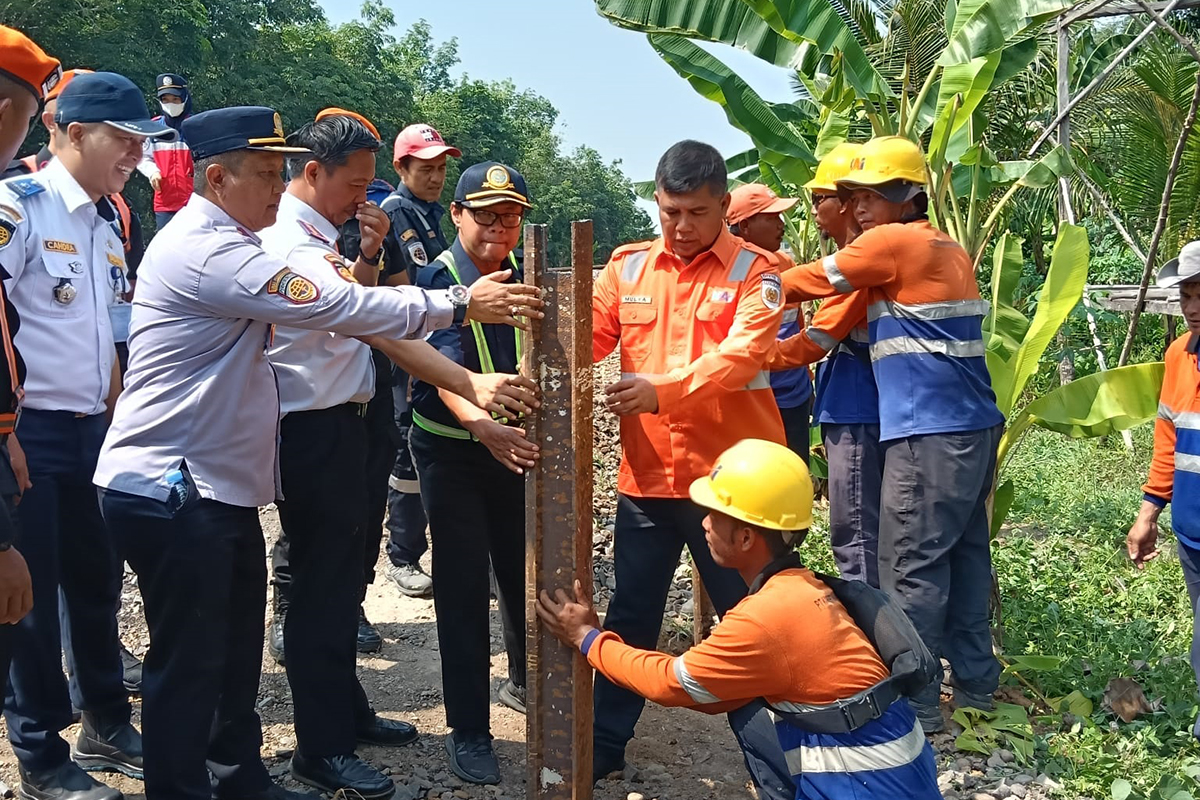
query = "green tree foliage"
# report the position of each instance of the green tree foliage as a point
(285, 54)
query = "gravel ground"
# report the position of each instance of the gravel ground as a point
(677, 755)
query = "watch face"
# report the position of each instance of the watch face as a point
(459, 294)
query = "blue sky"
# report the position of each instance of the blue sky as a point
(611, 90)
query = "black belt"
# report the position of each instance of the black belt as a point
(846, 715)
(358, 409)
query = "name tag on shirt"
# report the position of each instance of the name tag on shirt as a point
(722, 296)
(637, 299)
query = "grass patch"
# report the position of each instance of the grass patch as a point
(1069, 591)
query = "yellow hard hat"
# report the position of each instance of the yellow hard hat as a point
(759, 482)
(835, 165)
(886, 159)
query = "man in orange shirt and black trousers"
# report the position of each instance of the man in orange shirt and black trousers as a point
(695, 315)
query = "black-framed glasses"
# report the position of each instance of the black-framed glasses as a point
(486, 218)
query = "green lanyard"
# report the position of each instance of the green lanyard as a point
(485, 355)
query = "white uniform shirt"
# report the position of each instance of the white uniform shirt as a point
(56, 238)
(315, 369)
(200, 389)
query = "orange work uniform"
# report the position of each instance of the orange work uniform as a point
(1175, 470)
(701, 333)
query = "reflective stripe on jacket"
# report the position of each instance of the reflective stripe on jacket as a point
(925, 323)
(701, 333)
(1175, 470)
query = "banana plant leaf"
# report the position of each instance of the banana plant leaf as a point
(1096, 405)
(1005, 327)
(731, 23)
(979, 27)
(1060, 293)
(818, 22)
(777, 142)
(970, 81)
(1001, 504)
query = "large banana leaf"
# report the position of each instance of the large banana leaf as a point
(980, 27)
(819, 23)
(778, 143)
(970, 82)
(1095, 405)
(1005, 327)
(725, 21)
(1060, 293)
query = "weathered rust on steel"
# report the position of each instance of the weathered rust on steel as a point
(558, 522)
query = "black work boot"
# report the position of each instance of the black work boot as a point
(342, 774)
(369, 639)
(108, 748)
(275, 631)
(65, 782)
(132, 667)
(472, 757)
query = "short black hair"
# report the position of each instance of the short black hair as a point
(231, 160)
(332, 141)
(405, 161)
(688, 165)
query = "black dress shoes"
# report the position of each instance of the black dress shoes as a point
(275, 636)
(386, 732)
(65, 782)
(369, 638)
(108, 748)
(132, 667)
(342, 773)
(273, 792)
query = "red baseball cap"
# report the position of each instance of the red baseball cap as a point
(422, 141)
(27, 64)
(754, 198)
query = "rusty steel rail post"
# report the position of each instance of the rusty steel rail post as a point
(558, 521)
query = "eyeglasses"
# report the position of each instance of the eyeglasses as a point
(486, 218)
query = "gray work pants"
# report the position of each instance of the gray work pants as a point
(934, 549)
(855, 481)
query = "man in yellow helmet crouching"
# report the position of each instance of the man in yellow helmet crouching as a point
(837, 698)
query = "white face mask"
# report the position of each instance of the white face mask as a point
(173, 109)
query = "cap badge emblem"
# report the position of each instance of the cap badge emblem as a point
(278, 125)
(497, 178)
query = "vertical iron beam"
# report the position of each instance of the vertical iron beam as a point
(558, 521)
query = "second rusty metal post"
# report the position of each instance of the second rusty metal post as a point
(558, 521)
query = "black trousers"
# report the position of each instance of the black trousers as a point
(476, 507)
(322, 465)
(650, 534)
(382, 442)
(796, 427)
(8, 533)
(203, 582)
(76, 574)
(406, 521)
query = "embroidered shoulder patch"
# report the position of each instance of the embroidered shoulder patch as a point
(56, 246)
(416, 251)
(408, 234)
(115, 261)
(7, 229)
(339, 266)
(772, 290)
(293, 287)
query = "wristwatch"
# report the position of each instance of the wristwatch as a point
(371, 262)
(460, 298)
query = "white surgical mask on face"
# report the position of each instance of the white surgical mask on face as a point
(173, 109)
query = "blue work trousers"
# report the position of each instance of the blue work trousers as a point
(76, 576)
(204, 584)
(935, 551)
(649, 537)
(855, 460)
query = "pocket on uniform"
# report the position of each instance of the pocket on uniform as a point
(59, 290)
(637, 330)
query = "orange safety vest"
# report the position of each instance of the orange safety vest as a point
(701, 333)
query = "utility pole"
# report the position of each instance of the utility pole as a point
(558, 521)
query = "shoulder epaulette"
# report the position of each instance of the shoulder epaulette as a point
(312, 231)
(25, 187)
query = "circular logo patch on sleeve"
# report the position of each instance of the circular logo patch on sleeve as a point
(293, 287)
(772, 291)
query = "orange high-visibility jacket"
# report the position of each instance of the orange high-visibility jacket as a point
(700, 332)
(1175, 470)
